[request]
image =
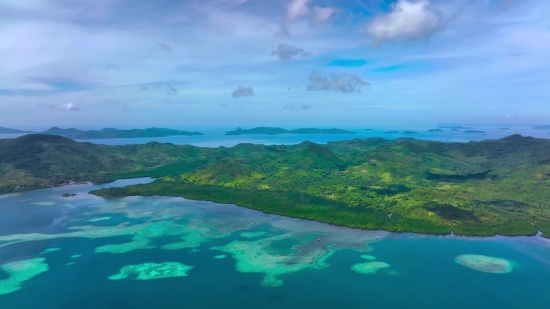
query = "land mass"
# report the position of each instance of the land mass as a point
(543, 127)
(473, 131)
(276, 131)
(435, 130)
(406, 185)
(108, 133)
(410, 132)
(8, 130)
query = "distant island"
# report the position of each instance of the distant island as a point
(543, 127)
(410, 132)
(454, 127)
(504, 128)
(477, 188)
(8, 130)
(276, 131)
(390, 132)
(108, 133)
(68, 194)
(473, 131)
(435, 130)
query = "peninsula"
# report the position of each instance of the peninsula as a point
(543, 127)
(477, 188)
(108, 133)
(276, 131)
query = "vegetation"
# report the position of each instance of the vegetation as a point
(116, 133)
(275, 131)
(68, 194)
(8, 130)
(475, 188)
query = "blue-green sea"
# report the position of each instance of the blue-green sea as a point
(159, 252)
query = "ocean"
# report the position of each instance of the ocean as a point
(84, 251)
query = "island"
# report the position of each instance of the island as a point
(409, 132)
(108, 133)
(390, 132)
(68, 194)
(473, 131)
(9, 131)
(454, 127)
(543, 127)
(276, 131)
(435, 130)
(367, 130)
(504, 128)
(477, 188)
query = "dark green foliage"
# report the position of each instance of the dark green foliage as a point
(449, 212)
(457, 178)
(392, 189)
(68, 194)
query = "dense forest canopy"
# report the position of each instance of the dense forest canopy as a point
(475, 188)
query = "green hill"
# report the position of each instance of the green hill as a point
(107, 133)
(475, 188)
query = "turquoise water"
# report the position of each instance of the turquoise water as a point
(284, 267)
(215, 137)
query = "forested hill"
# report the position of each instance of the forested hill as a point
(107, 133)
(476, 188)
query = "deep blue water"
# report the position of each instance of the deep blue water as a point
(422, 272)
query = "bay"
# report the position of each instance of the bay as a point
(242, 258)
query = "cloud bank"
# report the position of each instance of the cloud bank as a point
(242, 92)
(408, 20)
(287, 52)
(345, 83)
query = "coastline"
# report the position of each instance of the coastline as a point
(336, 218)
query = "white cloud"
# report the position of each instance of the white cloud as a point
(69, 107)
(409, 20)
(297, 8)
(322, 14)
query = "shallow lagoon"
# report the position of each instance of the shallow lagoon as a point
(160, 252)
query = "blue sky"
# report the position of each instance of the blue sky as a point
(258, 62)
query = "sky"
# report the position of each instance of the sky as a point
(174, 63)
